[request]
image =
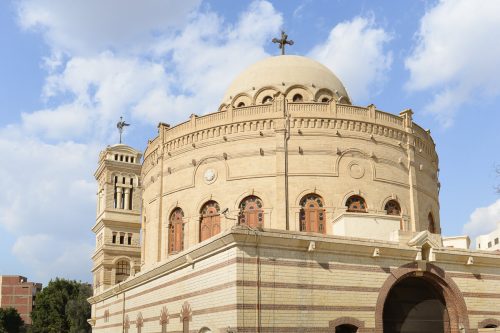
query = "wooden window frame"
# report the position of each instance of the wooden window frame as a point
(251, 212)
(312, 215)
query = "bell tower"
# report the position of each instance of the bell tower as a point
(117, 229)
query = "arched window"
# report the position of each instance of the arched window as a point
(392, 207)
(122, 271)
(325, 100)
(356, 204)
(251, 212)
(346, 328)
(241, 104)
(209, 220)
(297, 98)
(267, 99)
(431, 225)
(176, 231)
(312, 214)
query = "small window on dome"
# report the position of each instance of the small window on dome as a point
(393, 208)
(356, 204)
(325, 100)
(297, 98)
(267, 99)
(241, 104)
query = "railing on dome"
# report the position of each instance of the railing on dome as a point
(422, 139)
(383, 117)
(211, 119)
(308, 107)
(179, 129)
(419, 131)
(249, 111)
(264, 116)
(351, 111)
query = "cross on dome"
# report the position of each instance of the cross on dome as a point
(283, 41)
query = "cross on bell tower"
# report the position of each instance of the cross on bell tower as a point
(120, 125)
(283, 41)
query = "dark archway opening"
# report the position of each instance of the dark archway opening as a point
(346, 328)
(413, 306)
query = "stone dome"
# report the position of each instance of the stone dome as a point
(284, 72)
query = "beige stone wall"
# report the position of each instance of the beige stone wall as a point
(119, 166)
(230, 278)
(334, 150)
(208, 287)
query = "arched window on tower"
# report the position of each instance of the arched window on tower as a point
(312, 214)
(392, 207)
(251, 212)
(431, 226)
(176, 231)
(122, 271)
(356, 204)
(209, 220)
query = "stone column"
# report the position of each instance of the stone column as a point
(127, 199)
(102, 201)
(119, 197)
(113, 276)
(407, 116)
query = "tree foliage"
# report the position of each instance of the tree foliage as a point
(10, 321)
(62, 307)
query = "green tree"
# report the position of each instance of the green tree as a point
(62, 307)
(10, 321)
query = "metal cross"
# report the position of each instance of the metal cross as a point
(283, 41)
(120, 125)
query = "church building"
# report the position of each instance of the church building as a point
(287, 210)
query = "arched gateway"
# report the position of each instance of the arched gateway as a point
(415, 305)
(413, 300)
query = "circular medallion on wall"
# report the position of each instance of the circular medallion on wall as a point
(210, 175)
(356, 170)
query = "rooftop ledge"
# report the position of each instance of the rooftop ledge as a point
(307, 242)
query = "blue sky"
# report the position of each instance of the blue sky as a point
(69, 70)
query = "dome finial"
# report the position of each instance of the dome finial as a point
(283, 41)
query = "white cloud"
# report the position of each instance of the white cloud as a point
(208, 54)
(355, 52)
(49, 187)
(483, 220)
(90, 26)
(69, 259)
(457, 55)
(168, 85)
(48, 201)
